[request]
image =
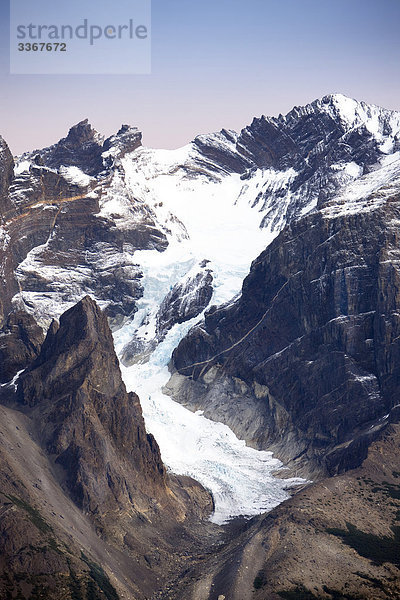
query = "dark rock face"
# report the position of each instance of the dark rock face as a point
(35, 200)
(185, 301)
(303, 139)
(6, 176)
(313, 341)
(89, 423)
(86, 504)
(76, 250)
(81, 148)
(41, 196)
(218, 152)
(20, 344)
(126, 140)
(75, 260)
(307, 150)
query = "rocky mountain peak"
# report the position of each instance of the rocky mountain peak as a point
(308, 154)
(347, 114)
(127, 128)
(84, 322)
(88, 421)
(72, 353)
(5, 153)
(126, 140)
(81, 148)
(82, 133)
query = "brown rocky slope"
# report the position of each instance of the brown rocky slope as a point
(86, 502)
(338, 539)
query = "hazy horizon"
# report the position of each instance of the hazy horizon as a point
(215, 65)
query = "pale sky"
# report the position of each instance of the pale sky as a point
(215, 63)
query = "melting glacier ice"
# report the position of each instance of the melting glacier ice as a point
(240, 478)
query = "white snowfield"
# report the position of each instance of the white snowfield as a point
(383, 124)
(239, 477)
(369, 191)
(76, 176)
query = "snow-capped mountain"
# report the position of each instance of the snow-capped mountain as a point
(86, 205)
(305, 357)
(157, 236)
(260, 270)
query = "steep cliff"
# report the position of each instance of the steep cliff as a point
(184, 301)
(82, 148)
(6, 175)
(91, 426)
(305, 155)
(59, 238)
(77, 463)
(305, 361)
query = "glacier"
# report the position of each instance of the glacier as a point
(241, 479)
(222, 220)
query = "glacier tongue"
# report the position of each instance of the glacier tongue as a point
(240, 478)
